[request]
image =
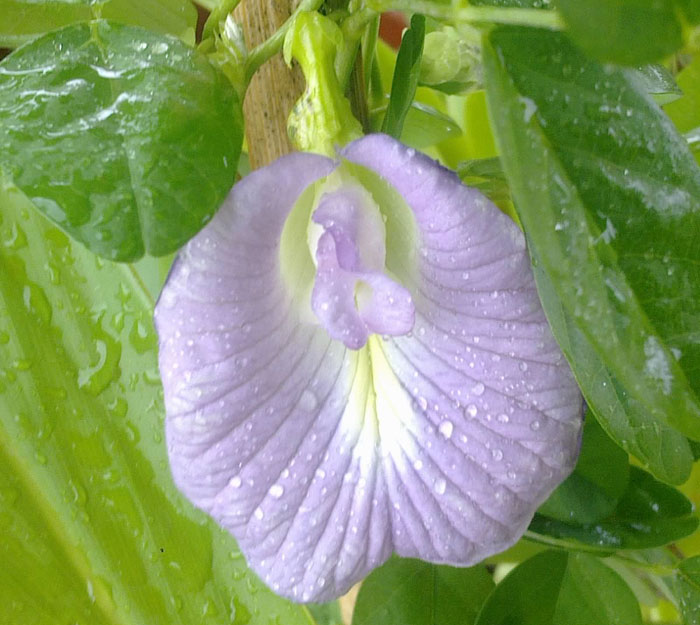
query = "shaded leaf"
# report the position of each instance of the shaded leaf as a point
(87, 505)
(686, 585)
(128, 139)
(410, 591)
(593, 490)
(607, 194)
(610, 29)
(559, 588)
(649, 514)
(423, 125)
(21, 22)
(406, 74)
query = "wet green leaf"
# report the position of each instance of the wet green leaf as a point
(628, 31)
(406, 74)
(649, 514)
(126, 139)
(21, 22)
(659, 83)
(686, 585)
(92, 529)
(593, 490)
(559, 588)
(662, 450)
(406, 591)
(607, 193)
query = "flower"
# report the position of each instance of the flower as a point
(355, 362)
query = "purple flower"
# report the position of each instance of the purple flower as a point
(355, 363)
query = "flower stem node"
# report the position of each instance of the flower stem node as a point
(355, 363)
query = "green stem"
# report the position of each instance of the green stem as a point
(539, 18)
(662, 570)
(273, 45)
(658, 569)
(353, 29)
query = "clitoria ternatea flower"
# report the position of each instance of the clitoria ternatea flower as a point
(355, 363)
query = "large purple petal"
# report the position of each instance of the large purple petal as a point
(323, 460)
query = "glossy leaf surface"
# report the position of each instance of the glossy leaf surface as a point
(649, 514)
(663, 450)
(558, 588)
(607, 193)
(410, 591)
(127, 139)
(20, 21)
(92, 530)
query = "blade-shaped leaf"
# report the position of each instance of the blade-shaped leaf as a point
(607, 194)
(128, 139)
(92, 528)
(663, 450)
(21, 22)
(559, 588)
(649, 514)
(410, 591)
(406, 73)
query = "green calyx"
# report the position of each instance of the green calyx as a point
(321, 120)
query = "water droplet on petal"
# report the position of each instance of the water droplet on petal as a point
(445, 428)
(440, 486)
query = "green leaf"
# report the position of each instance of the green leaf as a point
(649, 514)
(487, 175)
(406, 74)
(326, 613)
(685, 112)
(423, 125)
(686, 586)
(92, 529)
(559, 588)
(627, 31)
(659, 83)
(662, 450)
(21, 22)
(406, 591)
(128, 139)
(593, 490)
(607, 193)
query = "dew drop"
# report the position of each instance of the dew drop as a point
(535, 425)
(471, 410)
(478, 389)
(308, 401)
(259, 514)
(440, 486)
(276, 491)
(235, 481)
(445, 428)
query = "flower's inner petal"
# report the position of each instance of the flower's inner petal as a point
(352, 296)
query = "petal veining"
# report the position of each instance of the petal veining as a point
(436, 442)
